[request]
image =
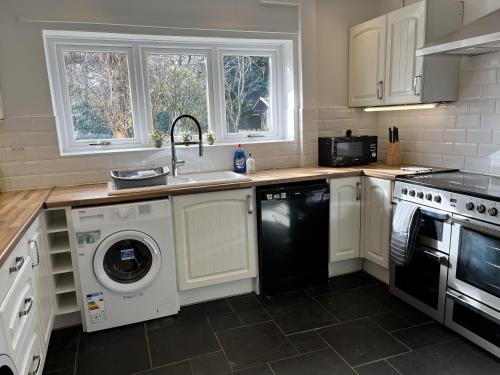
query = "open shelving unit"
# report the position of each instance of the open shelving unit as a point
(61, 263)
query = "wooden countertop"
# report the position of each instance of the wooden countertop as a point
(18, 209)
(94, 194)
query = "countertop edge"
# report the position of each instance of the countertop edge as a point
(21, 231)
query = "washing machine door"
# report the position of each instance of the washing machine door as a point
(127, 261)
(6, 365)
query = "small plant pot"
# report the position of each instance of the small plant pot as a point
(158, 143)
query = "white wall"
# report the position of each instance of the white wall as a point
(28, 145)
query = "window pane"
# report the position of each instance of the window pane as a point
(178, 86)
(99, 94)
(247, 93)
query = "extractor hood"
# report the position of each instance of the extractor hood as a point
(478, 37)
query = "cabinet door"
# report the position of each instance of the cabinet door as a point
(376, 224)
(214, 237)
(405, 34)
(345, 218)
(367, 43)
(42, 279)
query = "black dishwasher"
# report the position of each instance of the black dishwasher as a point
(293, 224)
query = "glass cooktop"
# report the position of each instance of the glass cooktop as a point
(459, 182)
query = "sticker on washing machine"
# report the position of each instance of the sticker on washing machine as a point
(127, 254)
(86, 238)
(96, 307)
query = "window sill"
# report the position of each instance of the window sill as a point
(167, 146)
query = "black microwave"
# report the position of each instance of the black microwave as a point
(347, 151)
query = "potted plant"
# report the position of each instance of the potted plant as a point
(210, 137)
(158, 137)
(186, 136)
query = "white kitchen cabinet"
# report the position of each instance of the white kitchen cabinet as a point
(406, 78)
(345, 218)
(367, 50)
(376, 220)
(42, 278)
(403, 71)
(215, 237)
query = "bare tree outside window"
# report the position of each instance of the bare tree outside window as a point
(247, 93)
(99, 95)
(177, 86)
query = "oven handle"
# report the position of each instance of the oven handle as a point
(486, 229)
(441, 217)
(464, 301)
(438, 257)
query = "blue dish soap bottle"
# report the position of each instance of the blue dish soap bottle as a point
(239, 160)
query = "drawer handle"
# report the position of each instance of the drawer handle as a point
(29, 302)
(18, 266)
(358, 191)
(34, 245)
(38, 360)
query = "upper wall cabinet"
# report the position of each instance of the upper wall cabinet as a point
(367, 44)
(405, 78)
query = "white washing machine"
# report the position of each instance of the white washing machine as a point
(126, 263)
(7, 366)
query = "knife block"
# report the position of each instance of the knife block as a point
(393, 154)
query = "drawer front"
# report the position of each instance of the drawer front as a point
(18, 307)
(11, 269)
(32, 357)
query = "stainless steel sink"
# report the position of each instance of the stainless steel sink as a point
(156, 178)
(206, 178)
(138, 178)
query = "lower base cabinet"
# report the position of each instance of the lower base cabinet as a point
(345, 218)
(215, 237)
(376, 220)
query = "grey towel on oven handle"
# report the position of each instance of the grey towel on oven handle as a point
(405, 227)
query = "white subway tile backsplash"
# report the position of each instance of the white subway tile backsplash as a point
(479, 135)
(477, 165)
(453, 161)
(495, 167)
(455, 135)
(478, 77)
(491, 91)
(465, 149)
(482, 106)
(490, 121)
(492, 60)
(489, 151)
(469, 92)
(472, 63)
(468, 121)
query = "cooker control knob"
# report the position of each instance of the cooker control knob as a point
(428, 196)
(412, 193)
(481, 209)
(404, 191)
(493, 211)
(469, 206)
(420, 195)
(437, 199)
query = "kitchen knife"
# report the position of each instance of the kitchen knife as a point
(390, 135)
(396, 134)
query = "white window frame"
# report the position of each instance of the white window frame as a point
(283, 109)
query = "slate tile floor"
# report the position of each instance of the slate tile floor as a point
(352, 325)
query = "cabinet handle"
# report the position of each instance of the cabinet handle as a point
(29, 302)
(34, 245)
(38, 360)
(380, 90)
(18, 266)
(358, 191)
(416, 81)
(249, 204)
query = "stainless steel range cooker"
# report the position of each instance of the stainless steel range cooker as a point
(454, 275)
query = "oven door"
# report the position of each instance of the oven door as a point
(473, 320)
(475, 260)
(422, 283)
(435, 228)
